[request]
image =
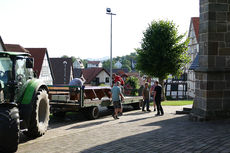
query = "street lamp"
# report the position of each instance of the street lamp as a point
(108, 11)
(64, 63)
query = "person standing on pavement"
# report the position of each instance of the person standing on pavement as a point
(145, 95)
(118, 78)
(152, 95)
(117, 97)
(157, 97)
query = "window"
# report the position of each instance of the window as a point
(5, 69)
(22, 73)
(107, 80)
(174, 87)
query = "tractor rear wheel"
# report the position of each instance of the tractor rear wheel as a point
(40, 115)
(9, 128)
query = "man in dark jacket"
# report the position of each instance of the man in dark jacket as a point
(157, 97)
(146, 95)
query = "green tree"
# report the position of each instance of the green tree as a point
(126, 62)
(85, 62)
(126, 67)
(72, 57)
(163, 51)
(134, 83)
(106, 64)
(64, 56)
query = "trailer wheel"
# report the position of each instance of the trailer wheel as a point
(59, 114)
(136, 106)
(40, 115)
(92, 112)
(9, 129)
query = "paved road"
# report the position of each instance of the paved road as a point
(134, 132)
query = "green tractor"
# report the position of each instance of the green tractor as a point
(24, 103)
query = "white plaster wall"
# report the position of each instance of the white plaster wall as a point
(102, 77)
(45, 74)
(94, 65)
(193, 50)
(78, 65)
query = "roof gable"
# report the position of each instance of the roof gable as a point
(94, 62)
(39, 54)
(61, 67)
(15, 48)
(196, 22)
(90, 73)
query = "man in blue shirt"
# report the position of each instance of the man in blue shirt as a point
(117, 97)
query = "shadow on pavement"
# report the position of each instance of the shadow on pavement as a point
(136, 113)
(174, 135)
(87, 125)
(75, 117)
(139, 119)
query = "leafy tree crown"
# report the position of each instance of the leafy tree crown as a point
(162, 51)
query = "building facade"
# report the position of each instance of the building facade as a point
(78, 64)
(96, 76)
(42, 65)
(193, 50)
(94, 64)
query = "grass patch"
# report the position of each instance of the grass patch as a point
(175, 102)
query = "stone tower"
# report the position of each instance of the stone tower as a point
(212, 100)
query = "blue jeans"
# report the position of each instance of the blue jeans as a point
(145, 102)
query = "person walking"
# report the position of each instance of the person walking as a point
(157, 97)
(145, 95)
(117, 97)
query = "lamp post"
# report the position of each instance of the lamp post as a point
(108, 11)
(64, 63)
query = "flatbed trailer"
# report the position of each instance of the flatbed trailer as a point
(62, 100)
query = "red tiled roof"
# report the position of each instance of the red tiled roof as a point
(90, 73)
(38, 54)
(15, 48)
(196, 22)
(93, 62)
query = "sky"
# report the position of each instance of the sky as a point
(81, 28)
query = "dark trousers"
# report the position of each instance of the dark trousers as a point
(145, 102)
(159, 107)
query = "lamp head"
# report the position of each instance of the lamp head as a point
(108, 10)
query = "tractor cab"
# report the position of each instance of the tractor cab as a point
(15, 70)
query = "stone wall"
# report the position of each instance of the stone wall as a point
(212, 100)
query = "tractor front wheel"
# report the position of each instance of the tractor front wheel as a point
(40, 115)
(9, 128)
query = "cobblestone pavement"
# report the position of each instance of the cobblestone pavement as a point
(136, 132)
